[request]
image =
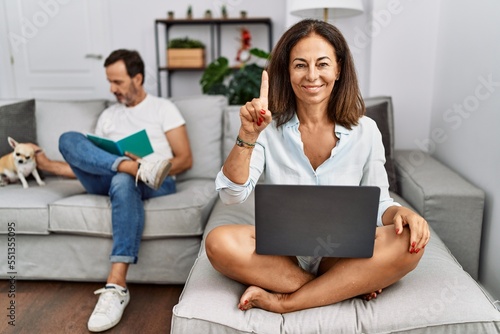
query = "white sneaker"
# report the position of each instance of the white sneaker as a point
(153, 173)
(109, 308)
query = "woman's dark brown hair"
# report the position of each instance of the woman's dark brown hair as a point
(345, 106)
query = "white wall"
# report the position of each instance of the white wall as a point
(434, 58)
(466, 109)
(402, 64)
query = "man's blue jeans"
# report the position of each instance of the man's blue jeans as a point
(97, 171)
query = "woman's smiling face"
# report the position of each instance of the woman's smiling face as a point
(313, 70)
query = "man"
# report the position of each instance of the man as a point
(103, 173)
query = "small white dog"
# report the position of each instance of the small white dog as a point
(19, 164)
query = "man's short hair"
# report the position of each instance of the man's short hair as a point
(131, 58)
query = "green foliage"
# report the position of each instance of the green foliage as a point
(243, 84)
(212, 81)
(185, 43)
(259, 53)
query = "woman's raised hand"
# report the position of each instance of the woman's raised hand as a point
(255, 115)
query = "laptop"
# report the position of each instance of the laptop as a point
(308, 220)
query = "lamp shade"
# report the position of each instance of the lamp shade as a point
(326, 9)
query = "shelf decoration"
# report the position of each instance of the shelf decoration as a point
(177, 61)
(243, 54)
(185, 53)
(189, 13)
(208, 14)
(170, 15)
(224, 12)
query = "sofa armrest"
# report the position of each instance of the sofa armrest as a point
(450, 204)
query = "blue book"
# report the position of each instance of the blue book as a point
(137, 143)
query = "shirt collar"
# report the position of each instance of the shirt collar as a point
(294, 122)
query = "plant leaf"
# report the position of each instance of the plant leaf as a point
(185, 43)
(215, 74)
(245, 84)
(259, 53)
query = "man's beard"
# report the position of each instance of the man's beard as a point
(129, 97)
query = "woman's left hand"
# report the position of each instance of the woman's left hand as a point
(419, 228)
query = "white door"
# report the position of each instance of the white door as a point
(58, 48)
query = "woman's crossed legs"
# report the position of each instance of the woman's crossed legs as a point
(278, 284)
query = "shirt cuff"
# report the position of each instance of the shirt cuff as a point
(230, 192)
(382, 208)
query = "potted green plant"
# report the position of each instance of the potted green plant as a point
(189, 13)
(185, 52)
(224, 12)
(238, 85)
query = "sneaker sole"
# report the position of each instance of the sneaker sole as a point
(103, 328)
(163, 175)
(108, 326)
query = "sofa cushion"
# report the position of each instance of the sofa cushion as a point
(17, 120)
(181, 214)
(380, 110)
(438, 296)
(203, 115)
(208, 304)
(28, 208)
(65, 257)
(62, 116)
(231, 125)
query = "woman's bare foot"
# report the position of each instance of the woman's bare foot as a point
(370, 296)
(260, 298)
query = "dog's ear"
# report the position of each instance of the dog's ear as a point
(12, 142)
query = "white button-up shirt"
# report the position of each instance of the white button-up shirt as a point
(357, 159)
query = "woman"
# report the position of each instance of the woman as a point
(307, 127)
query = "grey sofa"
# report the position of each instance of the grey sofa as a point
(64, 234)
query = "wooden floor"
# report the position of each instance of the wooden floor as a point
(64, 307)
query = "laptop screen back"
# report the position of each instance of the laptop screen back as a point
(305, 220)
